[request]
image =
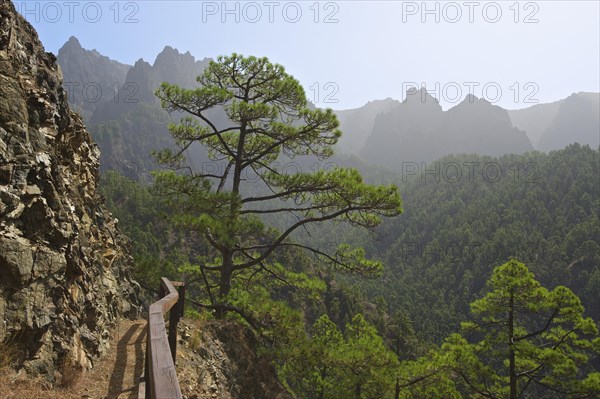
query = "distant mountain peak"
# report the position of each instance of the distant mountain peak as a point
(470, 98)
(171, 55)
(419, 96)
(176, 67)
(380, 103)
(73, 41)
(141, 63)
(71, 46)
(81, 67)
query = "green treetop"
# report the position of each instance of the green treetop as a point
(267, 118)
(526, 341)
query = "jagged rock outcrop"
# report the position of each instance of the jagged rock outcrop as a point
(218, 360)
(65, 272)
(179, 68)
(91, 79)
(128, 127)
(418, 130)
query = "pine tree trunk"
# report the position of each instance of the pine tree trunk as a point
(511, 348)
(225, 282)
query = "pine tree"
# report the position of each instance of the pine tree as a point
(267, 118)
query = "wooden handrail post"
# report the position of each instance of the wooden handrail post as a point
(175, 315)
(161, 291)
(147, 363)
(181, 299)
(173, 319)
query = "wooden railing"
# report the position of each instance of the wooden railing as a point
(160, 378)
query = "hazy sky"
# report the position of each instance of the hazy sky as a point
(352, 52)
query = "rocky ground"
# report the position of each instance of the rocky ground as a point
(218, 360)
(115, 376)
(215, 360)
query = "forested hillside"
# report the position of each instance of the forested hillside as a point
(346, 213)
(464, 215)
(540, 208)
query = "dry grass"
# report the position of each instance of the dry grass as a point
(22, 387)
(70, 373)
(8, 354)
(195, 340)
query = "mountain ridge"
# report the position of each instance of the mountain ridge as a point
(421, 132)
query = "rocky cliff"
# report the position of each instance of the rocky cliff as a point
(418, 130)
(90, 78)
(64, 266)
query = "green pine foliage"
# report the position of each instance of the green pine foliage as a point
(526, 341)
(334, 365)
(268, 119)
(280, 254)
(543, 209)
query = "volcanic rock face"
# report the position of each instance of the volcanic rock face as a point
(64, 266)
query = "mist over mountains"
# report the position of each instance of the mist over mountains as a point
(418, 130)
(118, 103)
(126, 120)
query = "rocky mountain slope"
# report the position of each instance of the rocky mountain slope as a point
(552, 126)
(219, 360)
(546, 128)
(418, 130)
(535, 119)
(577, 120)
(65, 271)
(357, 123)
(128, 123)
(91, 79)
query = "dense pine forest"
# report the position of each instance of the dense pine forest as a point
(540, 209)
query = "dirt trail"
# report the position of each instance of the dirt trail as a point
(115, 376)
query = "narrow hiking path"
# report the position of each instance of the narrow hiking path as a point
(115, 376)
